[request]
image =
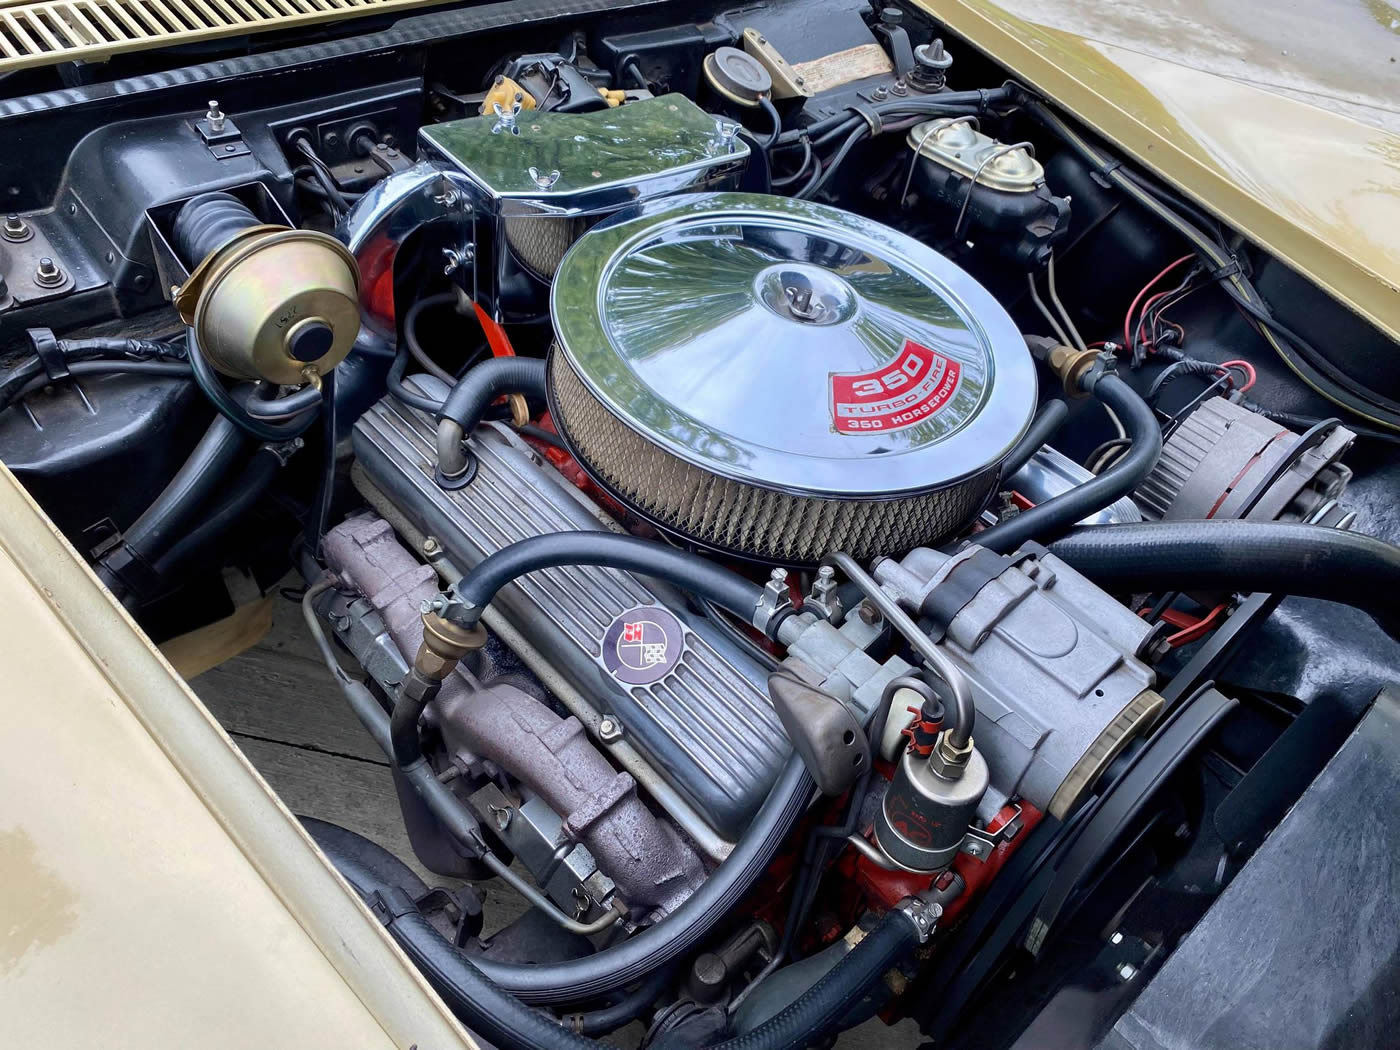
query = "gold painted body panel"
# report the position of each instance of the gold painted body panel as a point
(153, 891)
(1319, 190)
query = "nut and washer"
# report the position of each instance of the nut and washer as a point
(16, 229)
(48, 275)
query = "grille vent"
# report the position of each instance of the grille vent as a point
(38, 34)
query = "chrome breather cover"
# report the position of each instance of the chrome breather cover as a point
(778, 379)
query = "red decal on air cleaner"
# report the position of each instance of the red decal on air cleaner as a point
(907, 390)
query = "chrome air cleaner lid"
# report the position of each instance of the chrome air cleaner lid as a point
(788, 346)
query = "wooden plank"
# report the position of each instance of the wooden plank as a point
(273, 695)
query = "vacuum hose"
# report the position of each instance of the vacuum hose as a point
(1309, 561)
(1052, 517)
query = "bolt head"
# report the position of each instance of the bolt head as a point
(868, 613)
(1117, 938)
(1127, 971)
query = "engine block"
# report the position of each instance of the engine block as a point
(690, 700)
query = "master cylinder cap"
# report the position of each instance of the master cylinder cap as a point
(267, 302)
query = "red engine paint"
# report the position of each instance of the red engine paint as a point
(884, 889)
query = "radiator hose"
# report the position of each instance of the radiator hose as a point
(504, 1021)
(469, 399)
(1049, 519)
(1308, 561)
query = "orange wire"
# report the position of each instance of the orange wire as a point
(1197, 630)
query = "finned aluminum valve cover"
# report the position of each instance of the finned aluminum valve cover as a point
(780, 379)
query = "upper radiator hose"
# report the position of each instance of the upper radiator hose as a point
(1309, 561)
(1055, 515)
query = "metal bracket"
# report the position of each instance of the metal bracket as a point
(980, 844)
(787, 82)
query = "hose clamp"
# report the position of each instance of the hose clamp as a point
(871, 116)
(774, 605)
(50, 354)
(1105, 364)
(923, 914)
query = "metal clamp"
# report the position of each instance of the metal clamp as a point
(822, 599)
(979, 844)
(775, 602)
(923, 914)
(454, 609)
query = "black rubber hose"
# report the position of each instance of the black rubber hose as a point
(410, 334)
(128, 355)
(394, 381)
(626, 1010)
(250, 487)
(1047, 520)
(118, 348)
(631, 960)
(14, 382)
(403, 720)
(283, 408)
(1309, 561)
(208, 222)
(80, 369)
(318, 518)
(503, 1020)
(231, 410)
(1047, 421)
(689, 572)
(467, 402)
(203, 472)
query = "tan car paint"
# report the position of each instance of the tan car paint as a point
(1319, 190)
(153, 891)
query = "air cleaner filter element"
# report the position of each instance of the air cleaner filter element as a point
(779, 379)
